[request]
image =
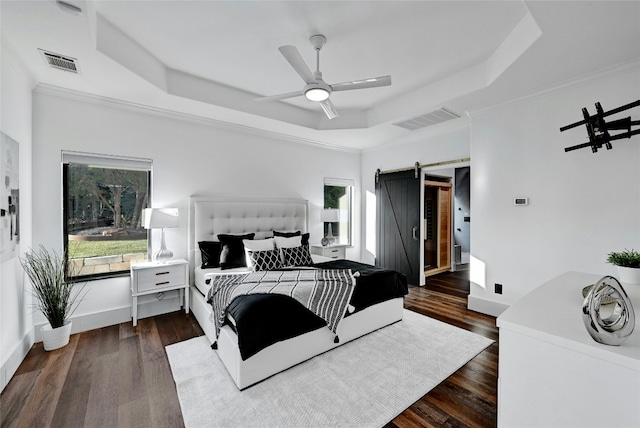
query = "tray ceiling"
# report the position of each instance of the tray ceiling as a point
(212, 58)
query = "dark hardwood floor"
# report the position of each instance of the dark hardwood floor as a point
(467, 398)
(120, 377)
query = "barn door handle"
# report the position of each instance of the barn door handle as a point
(414, 232)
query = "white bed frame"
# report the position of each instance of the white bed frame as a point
(210, 216)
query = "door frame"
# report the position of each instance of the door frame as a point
(433, 169)
(447, 266)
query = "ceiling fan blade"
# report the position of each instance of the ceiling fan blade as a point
(362, 84)
(329, 109)
(294, 58)
(280, 96)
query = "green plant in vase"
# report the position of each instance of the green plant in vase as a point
(628, 264)
(57, 294)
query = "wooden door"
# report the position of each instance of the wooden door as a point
(444, 228)
(437, 244)
(398, 218)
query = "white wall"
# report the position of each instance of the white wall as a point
(581, 205)
(189, 157)
(448, 142)
(15, 305)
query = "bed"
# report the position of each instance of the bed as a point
(376, 302)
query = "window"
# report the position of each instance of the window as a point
(338, 194)
(103, 199)
(370, 206)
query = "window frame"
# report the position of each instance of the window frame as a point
(101, 161)
(350, 186)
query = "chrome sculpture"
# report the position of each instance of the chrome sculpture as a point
(607, 312)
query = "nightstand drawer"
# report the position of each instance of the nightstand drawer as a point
(333, 252)
(160, 277)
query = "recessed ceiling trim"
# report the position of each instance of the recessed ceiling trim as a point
(72, 94)
(61, 62)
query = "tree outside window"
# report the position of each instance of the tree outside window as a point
(338, 195)
(102, 213)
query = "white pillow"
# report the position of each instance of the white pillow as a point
(282, 242)
(256, 245)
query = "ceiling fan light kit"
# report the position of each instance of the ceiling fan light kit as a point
(316, 89)
(317, 92)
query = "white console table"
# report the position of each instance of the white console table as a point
(553, 374)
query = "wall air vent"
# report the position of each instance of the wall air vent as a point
(61, 62)
(428, 119)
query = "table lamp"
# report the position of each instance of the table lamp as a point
(161, 218)
(329, 215)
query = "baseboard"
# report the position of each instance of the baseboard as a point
(82, 323)
(486, 306)
(115, 316)
(16, 357)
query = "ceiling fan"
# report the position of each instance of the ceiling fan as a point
(317, 89)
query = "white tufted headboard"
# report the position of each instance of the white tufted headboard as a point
(210, 216)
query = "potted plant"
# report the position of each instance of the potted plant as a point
(57, 296)
(628, 264)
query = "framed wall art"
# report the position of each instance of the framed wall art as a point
(9, 198)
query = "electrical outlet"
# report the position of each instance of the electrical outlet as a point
(498, 288)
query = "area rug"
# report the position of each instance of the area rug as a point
(363, 383)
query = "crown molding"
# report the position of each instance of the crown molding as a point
(585, 79)
(43, 88)
(582, 80)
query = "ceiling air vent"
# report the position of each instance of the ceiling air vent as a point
(68, 7)
(60, 62)
(428, 119)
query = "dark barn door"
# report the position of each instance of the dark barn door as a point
(398, 228)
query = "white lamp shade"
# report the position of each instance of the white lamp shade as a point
(160, 218)
(330, 215)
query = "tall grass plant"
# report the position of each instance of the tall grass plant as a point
(57, 296)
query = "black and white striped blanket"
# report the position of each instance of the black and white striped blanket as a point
(325, 292)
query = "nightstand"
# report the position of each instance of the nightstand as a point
(153, 277)
(331, 251)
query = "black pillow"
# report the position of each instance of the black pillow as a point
(232, 253)
(210, 254)
(305, 236)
